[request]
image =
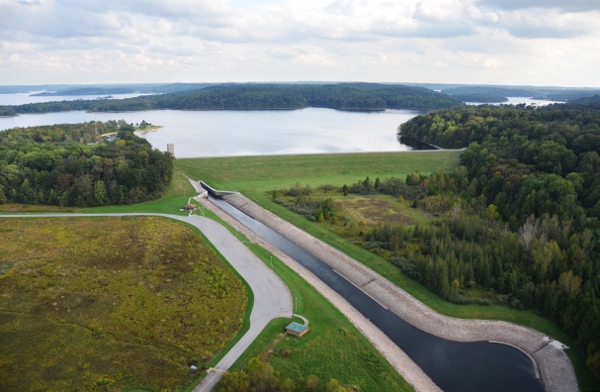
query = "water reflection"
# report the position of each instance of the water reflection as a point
(260, 132)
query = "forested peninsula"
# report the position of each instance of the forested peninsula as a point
(349, 96)
(524, 211)
(480, 98)
(65, 165)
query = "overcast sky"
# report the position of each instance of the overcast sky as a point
(534, 42)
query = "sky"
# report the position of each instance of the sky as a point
(517, 42)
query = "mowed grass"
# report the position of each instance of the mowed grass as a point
(332, 349)
(111, 304)
(256, 176)
(273, 172)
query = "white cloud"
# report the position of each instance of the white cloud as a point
(470, 41)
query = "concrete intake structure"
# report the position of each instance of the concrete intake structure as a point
(551, 362)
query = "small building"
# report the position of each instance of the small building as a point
(171, 148)
(297, 329)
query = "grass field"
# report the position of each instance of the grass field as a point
(272, 172)
(255, 176)
(110, 304)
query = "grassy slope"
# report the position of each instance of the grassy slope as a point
(333, 348)
(269, 172)
(255, 175)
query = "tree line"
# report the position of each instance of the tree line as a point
(257, 376)
(523, 213)
(351, 96)
(66, 165)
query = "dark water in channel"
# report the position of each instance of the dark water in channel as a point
(453, 366)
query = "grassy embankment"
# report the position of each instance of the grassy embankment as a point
(333, 348)
(255, 176)
(110, 303)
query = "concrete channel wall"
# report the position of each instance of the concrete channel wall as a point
(552, 364)
(411, 372)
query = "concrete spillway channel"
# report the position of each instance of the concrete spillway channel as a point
(431, 351)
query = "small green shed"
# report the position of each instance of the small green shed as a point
(296, 329)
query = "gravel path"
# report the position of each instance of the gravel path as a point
(272, 298)
(550, 360)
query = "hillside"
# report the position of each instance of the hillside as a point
(349, 96)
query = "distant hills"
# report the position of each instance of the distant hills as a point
(121, 89)
(101, 89)
(345, 96)
(465, 92)
(291, 95)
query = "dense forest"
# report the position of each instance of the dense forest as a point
(480, 98)
(352, 96)
(522, 212)
(64, 165)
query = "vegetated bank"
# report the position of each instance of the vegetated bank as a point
(69, 165)
(350, 96)
(529, 219)
(111, 304)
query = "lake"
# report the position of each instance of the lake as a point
(236, 132)
(518, 100)
(24, 98)
(259, 132)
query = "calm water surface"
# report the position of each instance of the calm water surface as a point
(236, 133)
(259, 132)
(23, 98)
(518, 100)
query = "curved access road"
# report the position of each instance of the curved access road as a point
(272, 298)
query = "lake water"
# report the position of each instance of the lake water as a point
(235, 133)
(23, 98)
(259, 132)
(518, 100)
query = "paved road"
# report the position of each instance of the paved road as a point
(272, 298)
